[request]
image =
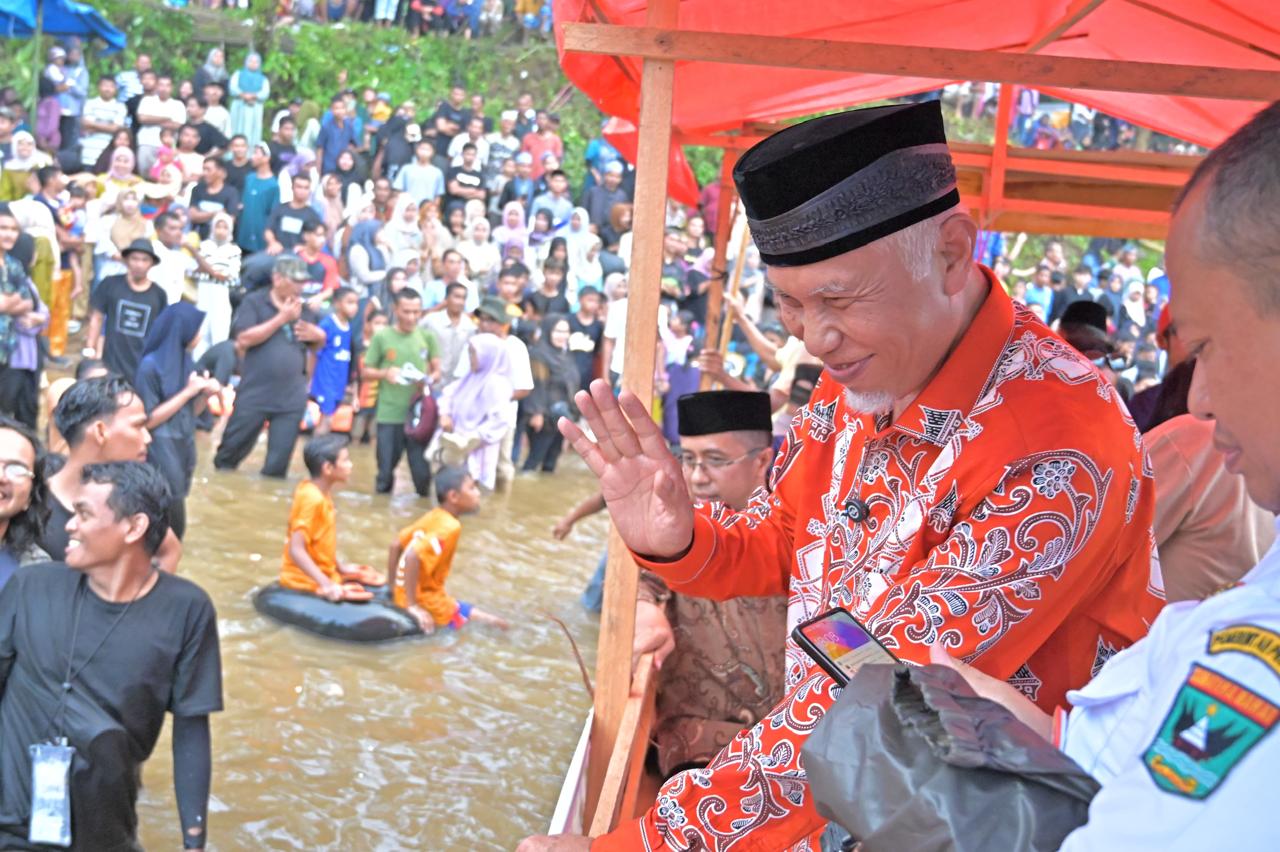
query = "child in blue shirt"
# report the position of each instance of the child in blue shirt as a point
(333, 362)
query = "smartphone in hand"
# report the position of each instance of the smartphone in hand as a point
(840, 644)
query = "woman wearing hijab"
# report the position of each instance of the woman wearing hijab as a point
(1133, 310)
(123, 226)
(250, 88)
(25, 160)
(555, 381)
(173, 394)
(402, 230)
(366, 259)
(102, 167)
(121, 174)
(214, 70)
(481, 254)
(213, 287)
(513, 227)
(473, 416)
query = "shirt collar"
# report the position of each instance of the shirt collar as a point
(934, 415)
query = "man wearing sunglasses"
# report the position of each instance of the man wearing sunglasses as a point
(721, 662)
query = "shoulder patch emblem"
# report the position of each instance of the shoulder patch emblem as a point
(1212, 725)
(1258, 642)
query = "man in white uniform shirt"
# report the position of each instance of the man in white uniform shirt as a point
(492, 319)
(1178, 727)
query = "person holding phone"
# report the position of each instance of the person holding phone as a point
(960, 475)
(720, 662)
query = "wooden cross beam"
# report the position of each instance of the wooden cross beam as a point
(897, 60)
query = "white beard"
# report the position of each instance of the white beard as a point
(875, 402)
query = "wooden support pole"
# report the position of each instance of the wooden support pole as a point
(899, 60)
(618, 617)
(1075, 13)
(999, 150)
(720, 264)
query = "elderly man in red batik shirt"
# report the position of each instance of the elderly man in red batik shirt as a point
(960, 477)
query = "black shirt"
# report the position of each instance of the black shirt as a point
(226, 199)
(53, 540)
(162, 656)
(236, 174)
(466, 178)
(280, 153)
(584, 343)
(396, 149)
(127, 315)
(542, 304)
(274, 375)
(287, 223)
(210, 138)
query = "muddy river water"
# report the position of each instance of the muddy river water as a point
(454, 741)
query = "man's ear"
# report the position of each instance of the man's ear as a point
(956, 239)
(97, 432)
(138, 526)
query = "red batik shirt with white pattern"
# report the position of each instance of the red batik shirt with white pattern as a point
(1010, 512)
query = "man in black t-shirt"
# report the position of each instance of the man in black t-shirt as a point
(238, 165)
(282, 147)
(124, 307)
(275, 329)
(102, 420)
(464, 182)
(286, 222)
(212, 140)
(586, 331)
(140, 643)
(212, 195)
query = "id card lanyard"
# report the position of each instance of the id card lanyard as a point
(50, 821)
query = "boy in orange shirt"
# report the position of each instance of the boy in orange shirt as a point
(310, 561)
(422, 555)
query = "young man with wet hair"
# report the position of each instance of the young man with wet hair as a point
(102, 420)
(93, 653)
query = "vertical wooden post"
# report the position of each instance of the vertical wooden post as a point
(618, 617)
(994, 189)
(720, 263)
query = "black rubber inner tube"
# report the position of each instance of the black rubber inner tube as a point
(377, 620)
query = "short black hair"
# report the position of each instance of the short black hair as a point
(165, 218)
(341, 293)
(88, 401)
(137, 488)
(554, 263)
(200, 102)
(404, 294)
(448, 479)
(217, 161)
(338, 99)
(310, 227)
(447, 252)
(238, 135)
(45, 173)
(517, 269)
(558, 173)
(288, 119)
(27, 527)
(589, 291)
(453, 288)
(87, 364)
(322, 450)
(470, 146)
(301, 176)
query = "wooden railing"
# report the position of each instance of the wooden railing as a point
(619, 793)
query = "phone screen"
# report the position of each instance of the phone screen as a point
(845, 642)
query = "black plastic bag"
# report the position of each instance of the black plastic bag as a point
(910, 759)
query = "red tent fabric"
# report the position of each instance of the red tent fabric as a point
(713, 96)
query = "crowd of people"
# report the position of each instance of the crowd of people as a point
(427, 279)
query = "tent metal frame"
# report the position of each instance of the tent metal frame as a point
(1099, 193)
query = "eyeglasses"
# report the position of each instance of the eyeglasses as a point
(690, 462)
(16, 470)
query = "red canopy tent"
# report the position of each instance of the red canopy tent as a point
(715, 96)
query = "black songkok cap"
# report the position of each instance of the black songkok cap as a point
(835, 183)
(710, 412)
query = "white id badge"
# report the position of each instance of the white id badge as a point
(51, 794)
